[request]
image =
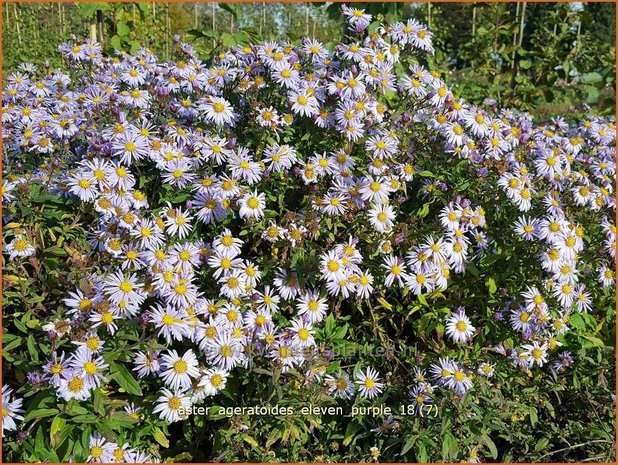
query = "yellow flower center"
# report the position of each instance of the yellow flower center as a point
(226, 351)
(20, 245)
(126, 287)
(174, 403)
(76, 384)
(90, 368)
(180, 367)
(332, 266)
(253, 203)
(216, 380)
(96, 452)
(56, 368)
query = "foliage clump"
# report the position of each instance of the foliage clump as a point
(289, 227)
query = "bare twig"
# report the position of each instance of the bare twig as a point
(573, 447)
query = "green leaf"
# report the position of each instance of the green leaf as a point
(421, 453)
(408, 444)
(89, 419)
(595, 341)
(253, 34)
(525, 64)
(491, 285)
(592, 94)
(122, 419)
(232, 8)
(249, 440)
(330, 323)
(116, 42)
(423, 212)
(41, 413)
(534, 419)
(135, 46)
(576, 321)
(160, 437)
(228, 40)
(493, 450)
(125, 379)
(349, 433)
(183, 457)
(122, 28)
(18, 341)
(384, 303)
(273, 437)
(591, 78)
(181, 197)
(89, 10)
(34, 354)
(541, 444)
(214, 412)
(58, 423)
(449, 447)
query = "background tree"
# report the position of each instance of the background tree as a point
(547, 58)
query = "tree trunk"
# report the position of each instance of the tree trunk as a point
(515, 38)
(263, 20)
(100, 26)
(60, 31)
(93, 29)
(214, 23)
(167, 29)
(522, 23)
(17, 26)
(474, 20)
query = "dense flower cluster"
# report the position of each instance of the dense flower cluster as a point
(181, 268)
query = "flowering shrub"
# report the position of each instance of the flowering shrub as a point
(287, 228)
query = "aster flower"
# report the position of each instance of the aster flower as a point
(170, 404)
(177, 372)
(219, 111)
(12, 411)
(339, 385)
(252, 205)
(381, 217)
(369, 385)
(74, 386)
(311, 305)
(19, 247)
(458, 326)
(100, 450)
(535, 353)
(213, 381)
